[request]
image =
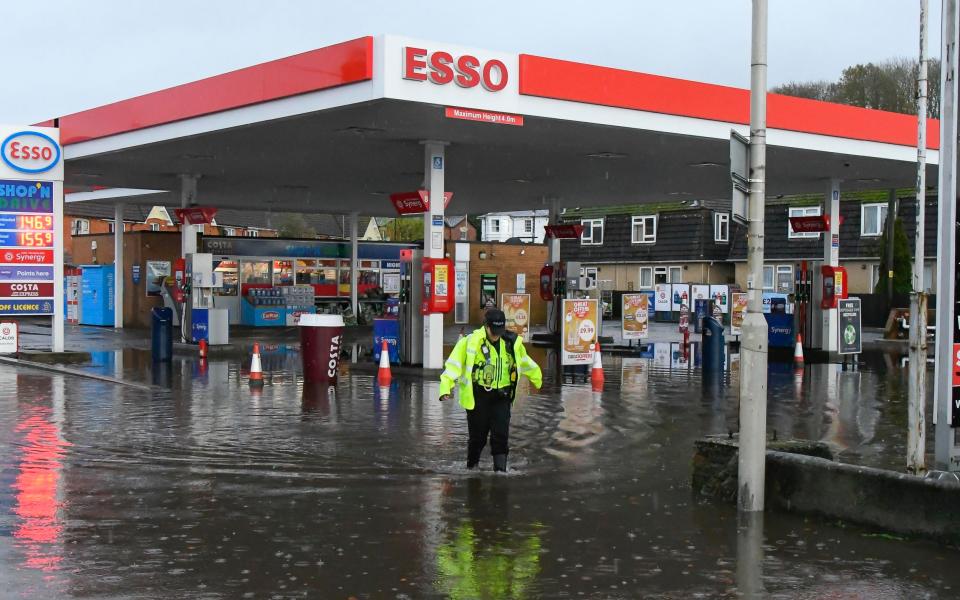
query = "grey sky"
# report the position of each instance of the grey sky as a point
(87, 53)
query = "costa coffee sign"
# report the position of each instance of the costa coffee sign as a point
(441, 68)
(26, 290)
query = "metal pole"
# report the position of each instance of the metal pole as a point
(916, 421)
(118, 280)
(354, 265)
(947, 329)
(889, 226)
(753, 350)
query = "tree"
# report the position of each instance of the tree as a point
(404, 229)
(890, 85)
(902, 262)
(294, 225)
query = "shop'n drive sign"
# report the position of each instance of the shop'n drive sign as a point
(467, 71)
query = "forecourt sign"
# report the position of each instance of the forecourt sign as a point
(31, 232)
(579, 332)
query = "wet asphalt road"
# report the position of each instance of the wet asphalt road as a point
(207, 490)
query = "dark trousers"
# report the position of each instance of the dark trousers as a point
(490, 416)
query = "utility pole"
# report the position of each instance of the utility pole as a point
(917, 397)
(753, 348)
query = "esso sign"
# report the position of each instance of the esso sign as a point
(441, 68)
(30, 152)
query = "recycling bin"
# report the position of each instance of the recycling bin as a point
(161, 334)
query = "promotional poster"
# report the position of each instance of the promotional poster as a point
(636, 316)
(579, 331)
(516, 307)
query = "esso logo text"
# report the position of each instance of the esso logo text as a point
(30, 152)
(441, 68)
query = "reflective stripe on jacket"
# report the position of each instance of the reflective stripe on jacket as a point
(468, 354)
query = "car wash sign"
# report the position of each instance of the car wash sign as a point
(31, 236)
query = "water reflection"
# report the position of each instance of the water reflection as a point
(750, 555)
(37, 500)
(485, 554)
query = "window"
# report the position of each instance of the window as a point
(874, 277)
(676, 275)
(592, 232)
(154, 226)
(660, 275)
(928, 278)
(463, 233)
(590, 277)
(646, 277)
(872, 218)
(251, 233)
(528, 225)
(229, 231)
(644, 230)
(785, 278)
(112, 227)
(805, 211)
(768, 277)
(80, 227)
(721, 227)
(494, 225)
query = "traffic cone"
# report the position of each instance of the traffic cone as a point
(596, 375)
(256, 371)
(383, 374)
(798, 352)
(203, 348)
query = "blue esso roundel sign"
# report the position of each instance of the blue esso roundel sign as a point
(30, 152)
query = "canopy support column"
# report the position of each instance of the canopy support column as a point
(831, 258)
(354, 264)
(118, 277)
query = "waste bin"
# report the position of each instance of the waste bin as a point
(713, 344)
(321, 337)
(161, 334)
(701, 308)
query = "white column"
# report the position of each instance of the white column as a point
(56, 329)
(118, 272)
(354, 265)
(188, 197)
(831, 257)
(435, 164)
(553, 244)
(946, 450)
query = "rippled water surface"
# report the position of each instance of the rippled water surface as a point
(204, 489)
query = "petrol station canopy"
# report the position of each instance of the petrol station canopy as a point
(339, 129)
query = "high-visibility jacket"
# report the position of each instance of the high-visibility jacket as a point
(469, 363)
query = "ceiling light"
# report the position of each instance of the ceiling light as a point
(197, 156)
(705, 163)
(870, 180)
(361, 130)
(607, 155)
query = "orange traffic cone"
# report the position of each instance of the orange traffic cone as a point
(596, 375)
(798, 351)
(256, 371)
(203, 348)
(383, 374)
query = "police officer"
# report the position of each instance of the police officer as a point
(485, 365)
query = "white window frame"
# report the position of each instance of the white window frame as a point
(772, 270)
(112, 226)
(874, 276)
(646, 223)
(229, 231)
(776, 282)
(670, 271)
(251, 233)
(154, 226)
(494, 225)
(648, 286)
(721, 227)
(80, 227)
(661, 271)
(528, 226)
(802, 211)
(880, 207)
(588, 225)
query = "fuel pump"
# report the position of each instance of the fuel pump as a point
(411, 303)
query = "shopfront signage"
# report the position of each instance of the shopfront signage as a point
(27, 307)
(848, 313)
(412, 203)
(30, 152)
(13, 273)
(563, 232)
(441, 68)
(26, 196)
(579, 331)
(26, 290)
(21, 257)
(9, 338)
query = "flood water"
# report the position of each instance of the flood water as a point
(205, 489)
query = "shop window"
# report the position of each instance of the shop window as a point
(80, 227)
(592, 232)
(283, 272)
(721, 227)
(646, 277)
(644, 230)
(256, 272)
(872, 218)
(802, 211)
(229, 270)
(676, 275)
(768, 274)
(306, 272)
